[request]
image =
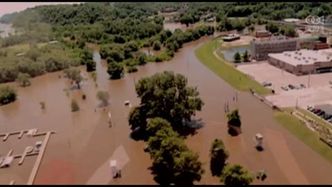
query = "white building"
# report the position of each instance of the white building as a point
(303, 61)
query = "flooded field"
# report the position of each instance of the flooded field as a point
(84, 142)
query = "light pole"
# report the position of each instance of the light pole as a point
(309, 80)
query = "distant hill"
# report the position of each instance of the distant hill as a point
(8, 18)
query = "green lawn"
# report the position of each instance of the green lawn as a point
(316, 118)
(226, 71)
(310, 138)
(21, 48)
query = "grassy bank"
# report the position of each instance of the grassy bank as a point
(227, 72)
(316, 118)
(298, 129)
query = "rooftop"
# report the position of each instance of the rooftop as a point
(274, 39)
(303, 56)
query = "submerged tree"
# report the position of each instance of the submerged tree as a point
(87, 59)
(234, 122)
(236, 175)
(237, 57)
(103, 96)
(7, 95)
(74, 106)
(74, 74)
(218, 155)
(246, 56)
(23, 79)
(173, 162)
(234, 118)
(115, 70)
(166, 95)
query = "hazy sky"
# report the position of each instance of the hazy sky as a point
(7, 7)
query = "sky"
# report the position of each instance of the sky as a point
(10, 7)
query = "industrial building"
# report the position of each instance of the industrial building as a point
(303, 61)
(262, 47)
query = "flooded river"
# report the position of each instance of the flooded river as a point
(84, 141)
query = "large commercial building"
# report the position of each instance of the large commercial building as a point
(261, 48)
(303, 61)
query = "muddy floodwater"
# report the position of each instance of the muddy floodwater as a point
(84, 141)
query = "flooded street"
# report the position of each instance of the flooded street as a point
(84, 141)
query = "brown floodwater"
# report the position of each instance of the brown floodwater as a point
(84, 141)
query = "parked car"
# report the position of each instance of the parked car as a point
(321, 113)
(284, 88)
(327, 116)
(291, 86)
(266, 84)
(312, 109)
(316, 111)
(302, 86)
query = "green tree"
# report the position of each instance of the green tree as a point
(90, 65)
(173, 162)
(187, 19)
(187, 168)
(272, 27)
(218, 155)
(156, 45)
(246, 56)
(7, 95)
(115, 70)
(74, 74)
(155, 124)
(236, 175)
(23, 79)
(251, 28)
(74, 106)
(166, 95)
(103, 96)
(87, 59)
(288, 31)
(234, 118)
(142, 59)
(237, 57)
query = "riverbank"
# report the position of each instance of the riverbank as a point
(299, 129)
(230, 74)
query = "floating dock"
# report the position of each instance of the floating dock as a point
(39, 158)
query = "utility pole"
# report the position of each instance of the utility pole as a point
(309, 80)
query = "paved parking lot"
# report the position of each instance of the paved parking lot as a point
(318, 89)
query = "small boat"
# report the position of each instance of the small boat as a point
(127, 102)
(6, 162)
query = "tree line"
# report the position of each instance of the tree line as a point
(163, 119)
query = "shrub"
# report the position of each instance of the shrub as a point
(131, 69)
(103, 96)
(7, 95)
(74, 106)
(23, 79)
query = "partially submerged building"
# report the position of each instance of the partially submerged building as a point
(303, 61)
(262, 47)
